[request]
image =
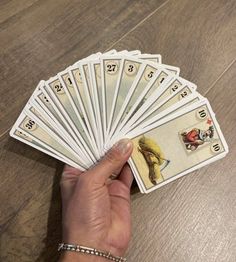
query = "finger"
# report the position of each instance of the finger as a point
(68, 180)
(112, 163)
(126, 176)
(70, 174)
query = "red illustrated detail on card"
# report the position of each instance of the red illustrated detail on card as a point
(209, 121)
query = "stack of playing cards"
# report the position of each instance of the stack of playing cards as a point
(77, 115)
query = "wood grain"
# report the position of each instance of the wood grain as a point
(34, 40)
(30, 202)
(9, 8)
(198, 36)
(192, 219)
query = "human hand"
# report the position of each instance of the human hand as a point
(96, 210)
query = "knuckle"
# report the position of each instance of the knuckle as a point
(121, 190)
(83, 179)
(112, 157)
(124, 190)
(86, 180)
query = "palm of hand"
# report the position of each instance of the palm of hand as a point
(97, 215)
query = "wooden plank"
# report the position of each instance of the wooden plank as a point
(34, 40)
(197, 36)
(9, 8)
(30, 203)
(193, 218)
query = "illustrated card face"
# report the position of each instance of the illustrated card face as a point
(88, 90)
(71, 92)
(86, 112)
(169, 95)
(129, 72)
(42, 104)
(132, 70)
(177, 147)
(64, 105)
(145, 78)
(23, 137)
(30, 126)
(52, 123)
(153, 80)
(74, 110)
(97, 73)
(49, 128)
(95, 76)
(46, 101)
(111, 69)
(167, 112)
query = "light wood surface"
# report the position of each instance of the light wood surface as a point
(191, 219)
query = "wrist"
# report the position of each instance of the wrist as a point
(93, 242)
(82, 253)
(70, 256)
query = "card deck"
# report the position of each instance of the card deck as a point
(166, 95)
(27, 124)
(29, 140)
(77, 115)
(53, 112)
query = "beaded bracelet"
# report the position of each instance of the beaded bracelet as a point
(90, 251)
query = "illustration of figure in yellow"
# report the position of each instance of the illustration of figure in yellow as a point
(154, 158)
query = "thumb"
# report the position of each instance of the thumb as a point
(112, 163)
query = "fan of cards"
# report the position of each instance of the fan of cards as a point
(77, 115)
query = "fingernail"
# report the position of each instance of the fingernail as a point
(123, 146)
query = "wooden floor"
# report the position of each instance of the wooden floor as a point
(191, 219)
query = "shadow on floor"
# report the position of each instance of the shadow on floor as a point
(54, 229)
